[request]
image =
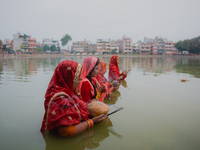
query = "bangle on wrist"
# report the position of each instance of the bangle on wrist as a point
(90, 123)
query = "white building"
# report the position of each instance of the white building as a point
(50, 42)
(114, 46)
(17, 41)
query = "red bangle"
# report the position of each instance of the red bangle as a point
(90, 123)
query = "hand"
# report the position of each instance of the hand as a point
(102, 89)
(124, 73)
(99, 119)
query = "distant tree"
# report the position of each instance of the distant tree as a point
(66, 39)
(53, 48)
(192, 46)
(46, 47)
(22, 46)
(39, 49)
(179, 45)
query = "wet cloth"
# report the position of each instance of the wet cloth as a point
(86, 88)
(114, 72)
(103, 81)
(62, 106)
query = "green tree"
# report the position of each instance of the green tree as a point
(39, 49)
(53, 48)
(179, 47)
(66, 39)
(46, 47)
(22, 46)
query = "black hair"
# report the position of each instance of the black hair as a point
(90, 78)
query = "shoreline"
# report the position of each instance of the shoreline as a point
(104, 55)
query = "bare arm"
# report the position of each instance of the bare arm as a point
(79, 128)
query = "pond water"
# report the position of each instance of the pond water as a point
(160, 111)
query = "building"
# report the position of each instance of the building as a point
(160, 45)
(119, 44)
(126, 45)
(8, 44)
(145, 49)
(77, 47)
(50, 42)
(136, 47)
(147, 40)
(32, 45)
(114, 47)
(103, 46)
(92, 48)
(18, 40)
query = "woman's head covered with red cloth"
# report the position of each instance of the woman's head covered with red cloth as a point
(88, 65)
(114, 71)
(62, 106)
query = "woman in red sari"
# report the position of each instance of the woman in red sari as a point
(103, 81)
(114, 72)
(89, 87)
(64, 110)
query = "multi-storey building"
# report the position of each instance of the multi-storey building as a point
(145, 48)
(77, 47)
(50, 42)
(113, 46)
(8, 44)
(103, 46)
(18, 40)
(126, 45)
(136, 47)
(32, 45)
(160, 45)
(119, 44)
(92, 47)
(174, 50)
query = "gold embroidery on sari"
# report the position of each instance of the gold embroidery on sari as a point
(70, 118)
(59, 94)
(53, 113)
(77, 74)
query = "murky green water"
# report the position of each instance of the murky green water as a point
(160, 111)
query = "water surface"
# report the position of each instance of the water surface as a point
(160, 111)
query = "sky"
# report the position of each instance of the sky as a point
(100, 19)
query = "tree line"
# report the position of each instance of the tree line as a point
(190, 45)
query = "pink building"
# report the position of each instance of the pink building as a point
(103, 46)
(145, 49)
(31, 44)
(170, 48)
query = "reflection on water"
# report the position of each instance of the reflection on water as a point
(25, 68)
(89, 139)
(160, 112)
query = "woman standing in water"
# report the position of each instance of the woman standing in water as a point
(89, 86)
(103, 81)
(114, 72)
(65, 112)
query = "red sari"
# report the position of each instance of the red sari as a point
(86, 88)
(114, 72)
(103, 81)
(62, 106)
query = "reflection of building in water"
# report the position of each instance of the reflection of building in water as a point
(125, 63)
(155, 65)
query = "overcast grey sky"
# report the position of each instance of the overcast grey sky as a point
(92, 19)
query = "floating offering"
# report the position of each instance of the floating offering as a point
(183, 80)
(97, 108)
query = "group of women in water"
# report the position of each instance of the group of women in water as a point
(71, 89)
